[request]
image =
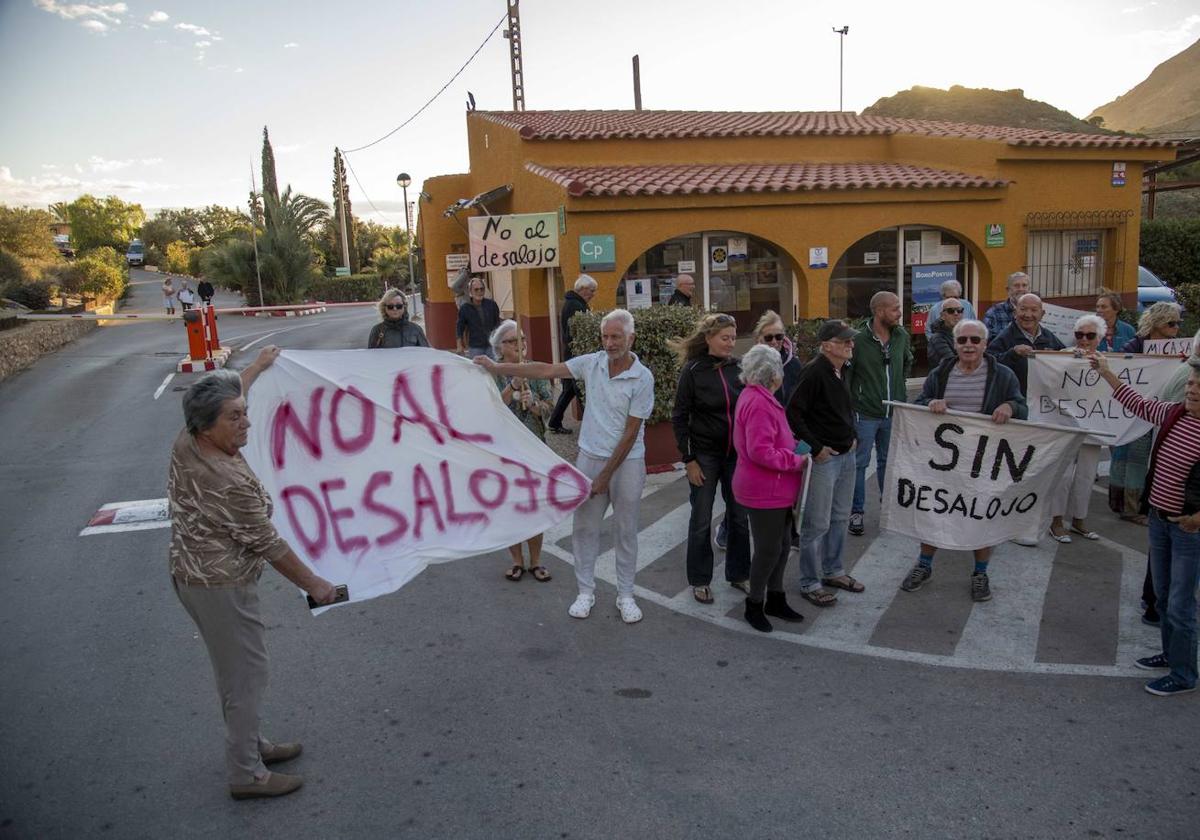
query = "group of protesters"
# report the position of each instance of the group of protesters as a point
(788, 443)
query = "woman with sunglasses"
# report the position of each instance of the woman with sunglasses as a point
(705, 400)
(394, 329)
(769, 331)
(941, 334)
(1127, 470)
(1117, 332)
(529, 400)
(976, 382)
(1075, 493)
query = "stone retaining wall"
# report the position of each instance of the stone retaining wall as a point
(21, 347)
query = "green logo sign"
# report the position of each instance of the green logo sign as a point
(341, 271)
(598, 252)
(995, 236)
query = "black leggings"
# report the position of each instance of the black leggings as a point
(771, 530)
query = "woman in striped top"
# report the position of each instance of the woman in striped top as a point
(1173, 504)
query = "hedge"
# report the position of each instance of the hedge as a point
(356, 287)
(1171, 249)
(653, 328)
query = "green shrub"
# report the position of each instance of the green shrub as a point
(356, 287)
(653, 328)
(154, 256)
(178, 259)
(103, 274)
(35, 294)
(803, 334)
(12, 268)
(1189, 298)
(1171, 249)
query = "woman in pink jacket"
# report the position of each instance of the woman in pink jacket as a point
(767, 481)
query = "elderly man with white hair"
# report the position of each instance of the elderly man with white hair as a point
(950, 289)
(1022, 338)
(1001, 314)
(620, 398)
(574, 302)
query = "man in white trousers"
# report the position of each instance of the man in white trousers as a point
(620, 398)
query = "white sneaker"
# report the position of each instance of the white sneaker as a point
(582, 607)
(630, 612)
(1026, 543)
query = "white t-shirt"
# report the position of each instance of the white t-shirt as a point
(610, 401)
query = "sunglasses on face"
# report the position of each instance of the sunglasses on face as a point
(393, 306)
(774, 337)
(953, 310)
(1172, 324)
(974, 339)
(1080, 336)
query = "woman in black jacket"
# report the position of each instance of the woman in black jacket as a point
(395, 330)
(709, 384)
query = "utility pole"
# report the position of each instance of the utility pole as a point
(341, 189)
(842, 33)
(513, 34)
(637, 84)
(254, 237)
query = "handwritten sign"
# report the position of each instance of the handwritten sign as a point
(383, 461)
(527, 240)
(1064, 389)
(960, 481)
(1169, 346)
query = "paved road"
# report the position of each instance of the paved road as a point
(466, 706)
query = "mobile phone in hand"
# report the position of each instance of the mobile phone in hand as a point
(341, 594)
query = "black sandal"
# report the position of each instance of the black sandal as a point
(540, 573)
(514, 574)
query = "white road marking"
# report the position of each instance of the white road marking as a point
(93, 530)
(1134, 639)
(262, 338)
(163, 386)
(139, 515)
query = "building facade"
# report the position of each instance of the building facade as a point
(806, 213)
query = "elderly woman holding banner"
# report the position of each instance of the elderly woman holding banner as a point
(1075, 494)
(974, 382)
(766, 483)
(221, 537)
(1172, 501)
(529, 400)
(1127, 469)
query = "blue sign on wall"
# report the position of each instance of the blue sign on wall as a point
(927, 282)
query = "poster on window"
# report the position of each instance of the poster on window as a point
(927, 283)
(718, 258)
(638, 294)
(738, 247)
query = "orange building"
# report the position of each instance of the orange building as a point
(806, 213)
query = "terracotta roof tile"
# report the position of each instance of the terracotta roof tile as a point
(690, 179)
(605, 125)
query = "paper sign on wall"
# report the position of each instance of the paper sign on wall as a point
(871, 258)
(718, 257)
(638, 294)
(818, 257)
(738, 247)
(912, 252)
(527, 240)
(685, 266)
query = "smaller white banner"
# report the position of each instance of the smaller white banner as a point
(960, 481)
(818, 258)
(1169, 346)
(1064, 389)
(1061, 321)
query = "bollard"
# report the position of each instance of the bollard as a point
(210, 321)
(197, 348)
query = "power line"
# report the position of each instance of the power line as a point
(499, 23)
(364, 192)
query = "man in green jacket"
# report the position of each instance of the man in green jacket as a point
(882, 362)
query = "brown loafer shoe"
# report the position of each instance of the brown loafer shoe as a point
(280, 752)
(272, 784)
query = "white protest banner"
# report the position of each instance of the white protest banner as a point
(1061, 321)
(1169, 346)
(1065, 390)
(960, 481)
(528, 240)
(383, 461)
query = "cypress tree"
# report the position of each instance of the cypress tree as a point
(339, 181)
(270, 185)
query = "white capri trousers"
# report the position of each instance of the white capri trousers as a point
(1075, 492)
(625, 495)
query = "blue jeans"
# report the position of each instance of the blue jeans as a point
(873, 433)
(826, 512)
(1175, 567)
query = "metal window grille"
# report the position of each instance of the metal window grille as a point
(1075, 253)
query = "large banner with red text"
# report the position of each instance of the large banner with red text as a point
(383, 461)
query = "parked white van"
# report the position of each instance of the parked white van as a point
(136, 253)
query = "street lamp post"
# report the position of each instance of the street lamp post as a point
(404, 180)
(842, 33)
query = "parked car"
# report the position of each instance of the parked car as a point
(1151, 289)
(136, 253)
(62, 241)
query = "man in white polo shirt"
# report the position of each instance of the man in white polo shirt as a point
(619, 399)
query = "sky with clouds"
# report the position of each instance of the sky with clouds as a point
(164, 102)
